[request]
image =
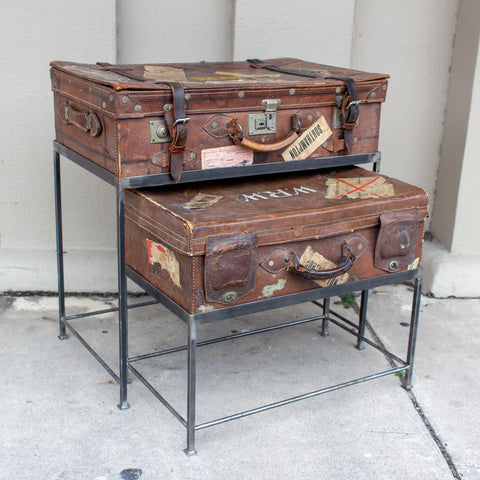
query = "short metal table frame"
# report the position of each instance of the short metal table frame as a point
(126, 363)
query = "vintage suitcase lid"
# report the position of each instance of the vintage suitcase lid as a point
(216, 75)
(278, 209)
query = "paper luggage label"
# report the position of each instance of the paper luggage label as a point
(315, 261)
(161, 256)
(363, 187)
(309, 141)
(202, 200)
(161, 73)
(232, 156)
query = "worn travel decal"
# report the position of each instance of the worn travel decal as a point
(309, 141)
(278, 193)
(360, 187)
(161, 73)
(414, 265)
(160, 256)
(232, 156)
(269, 290)
(221, 77)
(315, 261)
(202, 200)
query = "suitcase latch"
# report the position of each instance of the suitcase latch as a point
(264, 123)
(159, 131)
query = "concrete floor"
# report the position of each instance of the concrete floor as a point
(60, 421)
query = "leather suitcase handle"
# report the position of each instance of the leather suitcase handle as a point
(348, 259)
(86, 121)
(236, 134)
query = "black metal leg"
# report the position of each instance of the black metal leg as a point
(59, 238)
(191, 387)
(362, 319)
(326, 312)
(412, 338)
(122, 299)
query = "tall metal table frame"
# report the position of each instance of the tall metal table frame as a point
(192, 320)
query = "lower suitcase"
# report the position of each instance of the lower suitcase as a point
(211, 245)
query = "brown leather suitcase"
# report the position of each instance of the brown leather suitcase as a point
(146, 119)
(207, 246)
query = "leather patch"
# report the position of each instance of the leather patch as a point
(230, 267)
(397, 239)
(218, 126)
(307, 118)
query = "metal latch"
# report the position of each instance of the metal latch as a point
(264, 123)
(159, 131)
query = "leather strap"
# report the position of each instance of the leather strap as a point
(177, 125)
(175, 117)
(256, 63)
(350, 110)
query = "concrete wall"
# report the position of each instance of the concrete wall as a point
(32, 34)
(410, 40)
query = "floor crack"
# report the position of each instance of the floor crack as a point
(440, 445)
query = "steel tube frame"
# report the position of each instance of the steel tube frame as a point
(125, 363)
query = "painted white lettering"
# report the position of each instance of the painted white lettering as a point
(253, 196)
(299, 190)
(278, 193)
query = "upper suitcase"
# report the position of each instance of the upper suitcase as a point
(147, 119)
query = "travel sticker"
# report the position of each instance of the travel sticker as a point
(315, 261)
(161, 73)
(309, 141)
(202, 200)
(232, 156)
(360, 187)
(161, 256)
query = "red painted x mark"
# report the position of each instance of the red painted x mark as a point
(356, 188)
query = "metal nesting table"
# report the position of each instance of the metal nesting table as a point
(126, 363)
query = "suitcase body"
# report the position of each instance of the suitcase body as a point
(213, 245)
(146, 119)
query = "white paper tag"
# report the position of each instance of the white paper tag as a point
(309, 141)
(233, 156)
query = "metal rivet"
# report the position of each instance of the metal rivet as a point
(214, 124)
(168, 106)
(360, 246)
(310, 118)
(138, 108)
(241, 94)
(292, 91)
(124, 99)
(373, 94)
(393, 265)
(187, 96)
(104, 104)
(384, 87)
(355, 139)
(230, 297)
(192, 156)
(271, 263)
(110, 98)
(338, 89)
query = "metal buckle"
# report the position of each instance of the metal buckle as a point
(354, 102)
(181, 120)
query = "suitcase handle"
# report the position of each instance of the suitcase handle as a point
(348, 259)
(236, 134)
(85, 121)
